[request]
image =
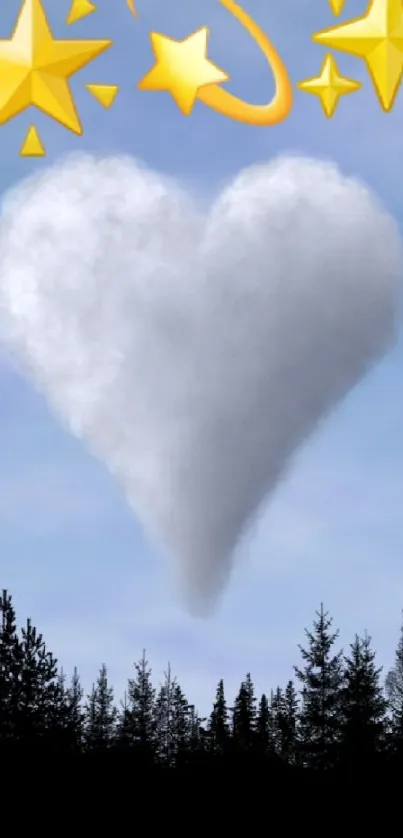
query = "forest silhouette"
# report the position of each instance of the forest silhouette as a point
(339, 717)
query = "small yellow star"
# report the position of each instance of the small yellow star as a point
(377, 37)
(182, 68)
(329, 85)
(34, 68)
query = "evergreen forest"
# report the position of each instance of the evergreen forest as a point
(339, 716)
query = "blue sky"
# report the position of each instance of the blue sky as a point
(72, 554)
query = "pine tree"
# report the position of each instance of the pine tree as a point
(394, 692)
(276, 709)
(321, 680)
(284, 721)
(10, 663)
(250, 691)
(124, 724)
(100, 713)
(74, 713)
(180, 726)
(196, 733)
(264, 733)
(244, 715)
(163, 716)
(39, 690)
(140, 716)
(362, 705)
(218, 725)
(289, 725)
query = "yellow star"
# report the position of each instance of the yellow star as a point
(34, 68)
(377, 37)
(329, 85)
(182, 68)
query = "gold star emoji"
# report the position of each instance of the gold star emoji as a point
(329, 85)
(377, 37)
(182, 68)
(34, 68)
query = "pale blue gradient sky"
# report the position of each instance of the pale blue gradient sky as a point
(71, 552)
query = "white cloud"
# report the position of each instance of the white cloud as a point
(195, 357)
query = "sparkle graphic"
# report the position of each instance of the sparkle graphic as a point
(377, 37)
(105, 94)
(329, 86)
(132, 7)
(80, 9)
(336, 6)
(32, 145)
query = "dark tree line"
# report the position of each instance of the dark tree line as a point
(335, 717)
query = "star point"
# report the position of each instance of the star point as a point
(32, 145)
(329, 85)
(35, 68)
(182, 68)
(105, 94)
(80, 9)
(336, 6)
(377, 37)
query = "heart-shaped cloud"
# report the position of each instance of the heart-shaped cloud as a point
(195, 355)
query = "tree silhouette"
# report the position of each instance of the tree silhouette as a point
(101, 714)
(140, 723)
(75, 716)
(10, 667)
(40, 695)
(394, 692)
(180, 725)
(284, 712)
(321, 679)
(218, 725)
(244, 715)
(362, 705)
(335, 728)
(164, 716)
